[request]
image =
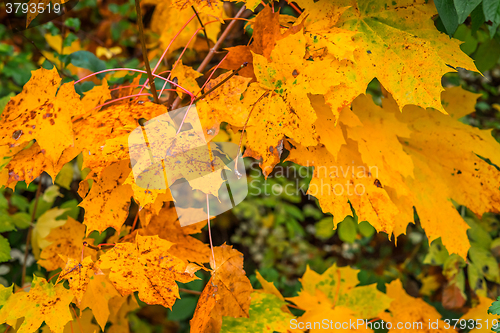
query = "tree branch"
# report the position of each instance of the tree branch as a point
(145, 51)
(213, 50)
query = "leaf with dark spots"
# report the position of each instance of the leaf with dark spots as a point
(141, 270)
(43, 303)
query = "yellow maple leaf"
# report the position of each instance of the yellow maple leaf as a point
(166, 225)
(147, 267)
(227, 293)
(43, 303)
(79, 274)
(65, 241)
(107, 203)
(400, 46)
(405, 309)
(335, 291)
(45, 223)
(186, 77)
(479, 314)
(97, 297)
(37, 113)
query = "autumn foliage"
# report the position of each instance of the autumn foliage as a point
(299, 95)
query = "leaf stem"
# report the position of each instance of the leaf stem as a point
(30, 229)
(145, 51)
(192, 292)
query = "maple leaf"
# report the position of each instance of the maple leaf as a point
(408, 309)
(393, 156)
(223, 104)
(107, 203)
(400, 46)
(102, 137)
(147, 267)
(336, 289)
(177, 13)
(44, 224)
(65, 242)
(166, 225)
(79, 274)
(83, 323)
(43, 303)
(97, 297)
(345, 181)
(187, 78)
(119, 308)
(266, 31)
(227, 293)
(46, 117)
(265, 315)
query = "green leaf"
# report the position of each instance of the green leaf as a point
(65, 176)
(294, 211)
(20, 202)
(74, 209)
(5, 293)
(437, 255)
(464, 8)
(485, 261)
(6, 223)
(487, 55)
(491, 10)
(347, 230)
(495, 307)
(21, 220)
(361, 301)
(448, 15)
(51, 193)
(476, 280)
(4, 249)
(4, 100)
(464, 34)
(477, 19)
(324, 228)
(366, 229)
(266, 316)
(88, 60)
(4, 204)
(477, 235)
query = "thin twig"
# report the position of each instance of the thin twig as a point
(145, 51)
(40, 52)
(99, 247)
(187, 291)
(294, 306)
(135, 220)
(221, 82)
(226, 32)
(30, 229)
(213, 50)
(204, 30)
